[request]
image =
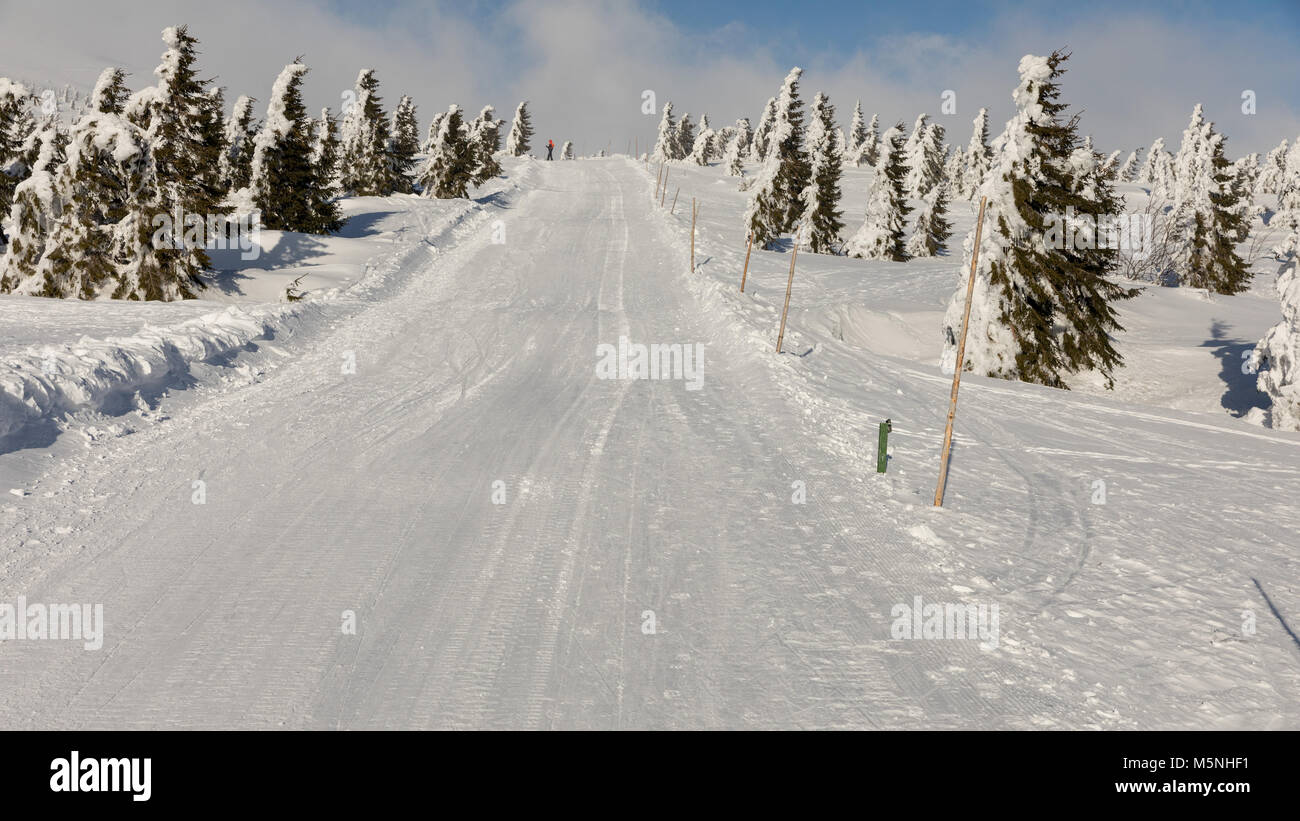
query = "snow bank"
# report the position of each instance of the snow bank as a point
(46, 380)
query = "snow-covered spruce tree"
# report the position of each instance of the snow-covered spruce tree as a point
(703, 147)
(1278, 354)
(745, 132)
(775, 198)
(100, 189)
(735, 151)
(1128, 172)
(683, 138)
(404, 144)
(287, 187)
(1245, 184)
(1215, 222)
(1042, 309)
(110, 93)
(325, 150)
(32, 216)
(177, 120)
(1274, 170)
(759, 144)
(786, 145)
(663, 149)
(869, 150)
(519, 142)
(566, 151)
(449, 169)
(367, 168)
(1287, 217)
(930, 236)
(14, 100)
(484, 139)
(882, 234)
(925, 155)
(978, 156)
(431, 137)
(213, 128)
(1110, 166)
(820, 225)
(857, 132)
(954, 170)
(1158, 171)
(236, 164)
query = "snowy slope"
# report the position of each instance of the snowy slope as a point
(626, 500)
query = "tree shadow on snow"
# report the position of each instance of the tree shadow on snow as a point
(1234, 355)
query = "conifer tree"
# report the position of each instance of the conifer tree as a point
(663, 149)
(101, 200)
(14, 100)
(1278, 354)
(484, 139)
(857, 135)
(1128, 172)
(32, 215)
(566, 151)
(703, 147)
(404, 145)
(287, 187)
(787, 147)
(178, 122)
(930, 236)
(110, 93)
(819, 223)
(882, 235)
(924, 157)
(954, 170)
(1274, 170)
(745, 132)
(449, 169)
(978, 156)
(519, 142)
(869, 151)
(325, 153)
(1215, 223)
(367, 169)
(236, 164)
(735, 151)
(683, 138)
(1042, 308)
(759, 143)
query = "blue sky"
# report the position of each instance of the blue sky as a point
(1137, 69)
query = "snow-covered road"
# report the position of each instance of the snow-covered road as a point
(524, 544)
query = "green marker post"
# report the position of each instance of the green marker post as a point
(882, 446)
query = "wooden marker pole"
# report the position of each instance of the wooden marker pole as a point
(658, 179)
(664, 195)
(673, 210)
(788, 285)
(749, 247)
(692, 234)
(961, 360)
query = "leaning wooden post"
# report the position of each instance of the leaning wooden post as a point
(961, 360)
(749, 247)
(788, 285)
(664, 195)
(659, 178)
(673, 210)
(692, 235)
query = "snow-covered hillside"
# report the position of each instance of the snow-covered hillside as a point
(424, 445)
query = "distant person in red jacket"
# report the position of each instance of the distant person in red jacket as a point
(550, 147)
